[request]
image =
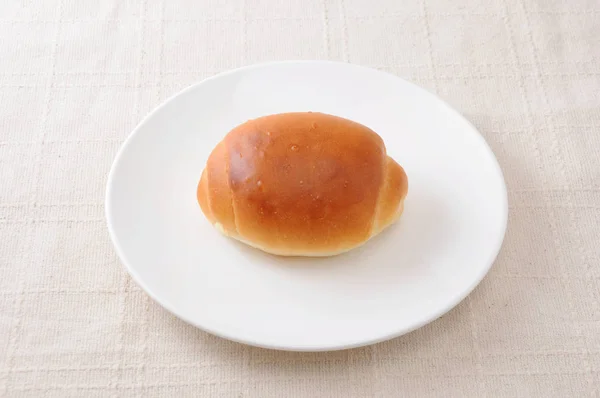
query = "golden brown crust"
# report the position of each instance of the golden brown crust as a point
(218, 189)
(393, 191)
(202, 195)
(301, 184)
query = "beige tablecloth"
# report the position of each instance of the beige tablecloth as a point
(75, 78)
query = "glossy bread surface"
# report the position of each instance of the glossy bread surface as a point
(299, 182)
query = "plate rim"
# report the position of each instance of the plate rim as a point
(451, 304)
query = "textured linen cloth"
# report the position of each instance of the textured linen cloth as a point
(76, 77)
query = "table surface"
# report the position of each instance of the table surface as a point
(76, 77)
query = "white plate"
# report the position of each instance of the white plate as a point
(446, 241)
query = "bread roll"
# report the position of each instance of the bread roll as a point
(302, 184)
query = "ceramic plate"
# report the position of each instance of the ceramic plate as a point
(447, 239)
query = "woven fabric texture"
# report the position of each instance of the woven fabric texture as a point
(77, 75)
